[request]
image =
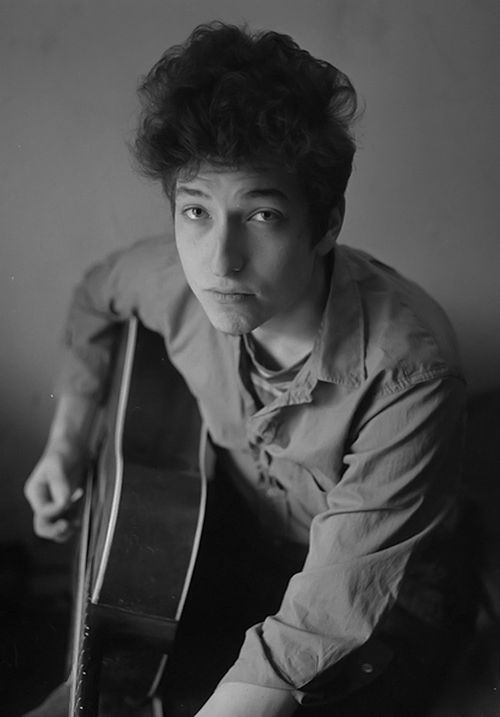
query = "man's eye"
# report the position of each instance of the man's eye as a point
(195, 213)
(266, 216)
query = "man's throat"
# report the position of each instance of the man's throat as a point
(288, 340)
(280, 354)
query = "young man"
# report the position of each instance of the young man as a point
(329, 384)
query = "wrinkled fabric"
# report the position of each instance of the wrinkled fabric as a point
(357, 461)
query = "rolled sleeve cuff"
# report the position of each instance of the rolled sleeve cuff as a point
(356, 670)
(253, 666)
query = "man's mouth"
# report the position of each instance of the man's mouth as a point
(229, 295)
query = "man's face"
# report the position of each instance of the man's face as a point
(245, 245)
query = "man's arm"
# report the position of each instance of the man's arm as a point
(55, 484)
(394, 495)
(238, 699)
(124, 284)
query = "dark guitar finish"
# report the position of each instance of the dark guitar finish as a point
(140, 529)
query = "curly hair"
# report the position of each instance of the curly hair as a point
(231, 97)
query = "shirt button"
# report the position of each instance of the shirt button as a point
(367, 668)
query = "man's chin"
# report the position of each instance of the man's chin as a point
(231, 323)
(231, 328)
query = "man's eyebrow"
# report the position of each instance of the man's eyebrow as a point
(257, 193)
(265, 192)
(181, 189)
(191, 192)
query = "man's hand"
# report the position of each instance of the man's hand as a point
(52, 490)
(238, 699)
(54, 486)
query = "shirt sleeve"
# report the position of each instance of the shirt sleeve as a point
(127, 283)
(396, 491)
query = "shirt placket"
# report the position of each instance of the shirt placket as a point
(262, 426)
(274, 511)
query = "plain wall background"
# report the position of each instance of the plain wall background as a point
(423, 197)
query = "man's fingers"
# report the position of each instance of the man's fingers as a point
(51, 493)
(50, 511)
(48, 529)
(51, 498)
(37, 494)
(60, 530)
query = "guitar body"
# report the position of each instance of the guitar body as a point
(141, 527)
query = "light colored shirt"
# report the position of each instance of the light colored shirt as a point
(357, 459)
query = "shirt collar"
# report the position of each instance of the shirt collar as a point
(338, 353)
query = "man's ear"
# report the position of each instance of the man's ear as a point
(335, 221)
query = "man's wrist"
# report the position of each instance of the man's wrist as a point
(69, 438)
(70, 455)
(239, 699)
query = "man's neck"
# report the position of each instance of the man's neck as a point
(285, 340)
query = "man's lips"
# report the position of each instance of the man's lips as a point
(229, 295)
(230, 290)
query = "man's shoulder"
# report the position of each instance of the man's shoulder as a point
(145, 277)
(146, 265)
(156, 253)
(407, 332)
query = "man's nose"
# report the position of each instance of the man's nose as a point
(227, 250)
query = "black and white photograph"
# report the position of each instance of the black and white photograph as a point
(250, 368)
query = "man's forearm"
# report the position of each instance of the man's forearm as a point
(55, 484)
(72, 424)
(238, 699)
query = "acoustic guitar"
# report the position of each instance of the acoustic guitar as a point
(141, 526)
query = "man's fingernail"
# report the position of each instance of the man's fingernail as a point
(77, 494)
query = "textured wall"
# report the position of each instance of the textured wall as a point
(423, 195)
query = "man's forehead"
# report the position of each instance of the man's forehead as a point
(247, 180)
